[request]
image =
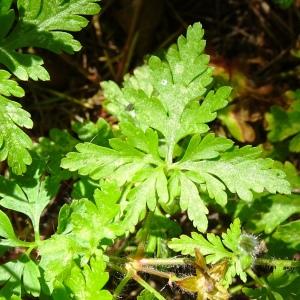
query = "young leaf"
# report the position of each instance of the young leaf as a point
(83, 228)
(40, 24)
(230, 247)
(87, 283)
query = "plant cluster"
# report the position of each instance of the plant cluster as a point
(132, 180)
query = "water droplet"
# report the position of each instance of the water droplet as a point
(164, 82)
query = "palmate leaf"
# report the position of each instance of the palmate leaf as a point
(40, 24)
(163, 107)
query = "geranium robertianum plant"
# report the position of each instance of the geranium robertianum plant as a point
(161, 160)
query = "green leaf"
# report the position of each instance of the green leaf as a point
(191, 201)
(57, 257)
(156, 231)
(211, 247)
(148, 96)
(11, 279)
(29, 194)
(268, 211)
(97, 133)
(20, 277)
(295, 143)
(162, 152)
(146, 295)
(138, 198)
(285, 124)
(51, 150)
(31, 275)
(14, 143)
(83, 227)
(284, 3)
(242, 171)
(289, 234)
(9, 87)
(6, 229)
(40, 24)
(98, 162)
(280, 285)
(87, 283)
(231, 247)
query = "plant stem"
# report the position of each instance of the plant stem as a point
(171, 276)
(148, 287)
(189, 261)
(235, 289)
(166, 261)
(277, 263)
(121, 286)
(258, 280)
(169, 157)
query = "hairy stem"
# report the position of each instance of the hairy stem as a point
(171, 276)
(180, 261)
(277, 263)
(166, 261)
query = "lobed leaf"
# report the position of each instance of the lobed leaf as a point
(148, 97)
(29, 194)
(14, 143)
(230, 247)
(163, 155)
(40, 24)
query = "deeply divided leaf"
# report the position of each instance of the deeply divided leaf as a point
(163, 156)
(40, 24)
